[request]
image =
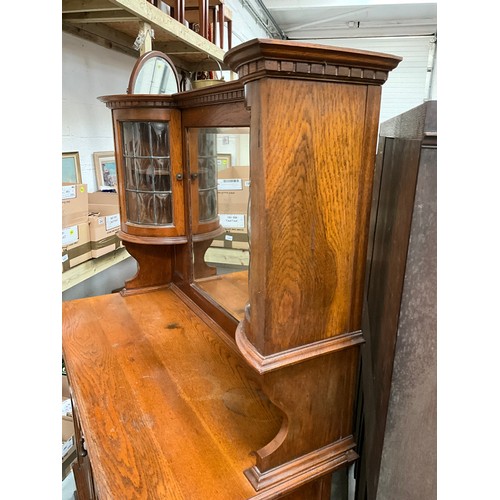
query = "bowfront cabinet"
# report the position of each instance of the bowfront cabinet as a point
(149, 156)
(195, 382)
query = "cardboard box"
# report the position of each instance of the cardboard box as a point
(75, 245)
(68, 429)
(65, 388)
(103, 198)
(75, 204)
(104, 221)
(231, 239)
(233, 185)
(68, 436)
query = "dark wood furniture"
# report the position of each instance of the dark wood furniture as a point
(396, 428)
(174, 396)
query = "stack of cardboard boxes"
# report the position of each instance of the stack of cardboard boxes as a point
(68, 430)
(90, 223)
(233, 190)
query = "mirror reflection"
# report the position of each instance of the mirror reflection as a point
(156, 76)
(220, 159)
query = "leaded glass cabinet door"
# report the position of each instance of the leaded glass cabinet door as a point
(149, 162)
(202, 164)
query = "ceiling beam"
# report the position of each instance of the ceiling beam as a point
(103, 36)
(116, 16)
(163, 22)
(72, 6)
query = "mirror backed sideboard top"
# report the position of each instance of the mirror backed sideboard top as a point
(195, 383)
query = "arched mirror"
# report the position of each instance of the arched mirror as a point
(154, 73)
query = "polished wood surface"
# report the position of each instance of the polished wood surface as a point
(229, 290)
(310, 199)
(175, 398)
(179, 409)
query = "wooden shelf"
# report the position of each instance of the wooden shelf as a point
(91, 267)
(229, 256)
(229, 290)
(115, 24)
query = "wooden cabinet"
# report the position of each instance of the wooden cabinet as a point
(178, 398)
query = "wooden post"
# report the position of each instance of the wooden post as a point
(147, 44)
(310, 200)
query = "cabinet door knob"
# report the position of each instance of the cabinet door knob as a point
(179, 177)
(194, 176)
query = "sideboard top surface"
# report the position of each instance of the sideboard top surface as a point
(178, 407)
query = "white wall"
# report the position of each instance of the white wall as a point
(406, 86)
(245, 27)
(89, 71)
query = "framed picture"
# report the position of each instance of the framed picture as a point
(223, 161)
(71, 168)
(105, 170)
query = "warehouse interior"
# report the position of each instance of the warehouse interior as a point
(98, 48)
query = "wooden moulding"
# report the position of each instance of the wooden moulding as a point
(305, 468)
(257, 58)
(265, 364)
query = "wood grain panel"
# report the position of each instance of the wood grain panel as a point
(306, 274)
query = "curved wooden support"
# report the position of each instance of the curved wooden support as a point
(154, 263)
(200, 268)
(311, 385)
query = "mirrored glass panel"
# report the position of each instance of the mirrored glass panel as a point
(220, 160)
(148, 182)
(156, 76)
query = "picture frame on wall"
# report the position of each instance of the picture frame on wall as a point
(71, 172)
(105, 170)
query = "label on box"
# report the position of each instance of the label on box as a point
(232, 221)
(112, 221)
(69, 192)
(65, 258)
(229, 184)
(69, 235)
(66, 446)
(228, 237)
(66, 407)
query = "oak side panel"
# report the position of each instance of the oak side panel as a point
(304, 278)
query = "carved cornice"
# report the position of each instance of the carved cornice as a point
(121, 101)
(302, 470)
(265, 364)
(221, 93)
(282, 59)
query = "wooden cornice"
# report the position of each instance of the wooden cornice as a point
(222, 93)
(261, 58)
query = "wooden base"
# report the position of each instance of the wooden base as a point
(306, 468)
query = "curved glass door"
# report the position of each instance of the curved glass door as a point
(207, 174)
(147, 167)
